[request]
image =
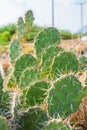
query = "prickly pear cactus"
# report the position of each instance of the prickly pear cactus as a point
(49, 36)
(15, 50)
(34, 119)
(47, 58)
(4, 124)
(28, 77)
(29, 18)
(24, 61)
(64, 63)
(36, 94)
(55, 125)
(21, 28)
(65, 96)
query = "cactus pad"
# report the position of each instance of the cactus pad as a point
(28, 77)
(65, 96)
(55, 125)
(29, 19)
(24, 61)
(64, 63)
(34, 119)
(15, 50)
(36, 94)
(48, 57)
(4, 124)
(49, 36)
(21, 28)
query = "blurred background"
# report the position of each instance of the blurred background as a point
(68, 16)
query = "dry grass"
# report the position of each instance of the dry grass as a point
(76, 45)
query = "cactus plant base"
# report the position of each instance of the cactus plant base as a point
(3, 124)
(34, 119)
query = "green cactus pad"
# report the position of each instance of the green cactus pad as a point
(64, 63)
(48, 57)
(25, 61)
(55, 125)
(4, 124)
(28, 77)
(36, 94)
(49, 36)
(65, 96)
(29, 19)
(15, 50)
(21, 28)
(34, 119)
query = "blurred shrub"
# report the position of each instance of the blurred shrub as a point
(65, 34)
(5, 36)
(11, 28)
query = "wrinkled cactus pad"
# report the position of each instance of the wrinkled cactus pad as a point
(65, 96)
(23, 62)
(49, 36)
(64, 63)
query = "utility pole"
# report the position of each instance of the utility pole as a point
(52, 12)
(81, 5)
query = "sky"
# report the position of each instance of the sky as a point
(67, 12)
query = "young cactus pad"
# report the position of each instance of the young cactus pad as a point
(29, 76)
(49, 36)
(24, 61)
(34, 119)
(21, 28)
(15, 50)
(65, 96)
(48, 57)
(64, 63)
(55, 125)
(36, 94)
(3, 124)
(29, 19)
